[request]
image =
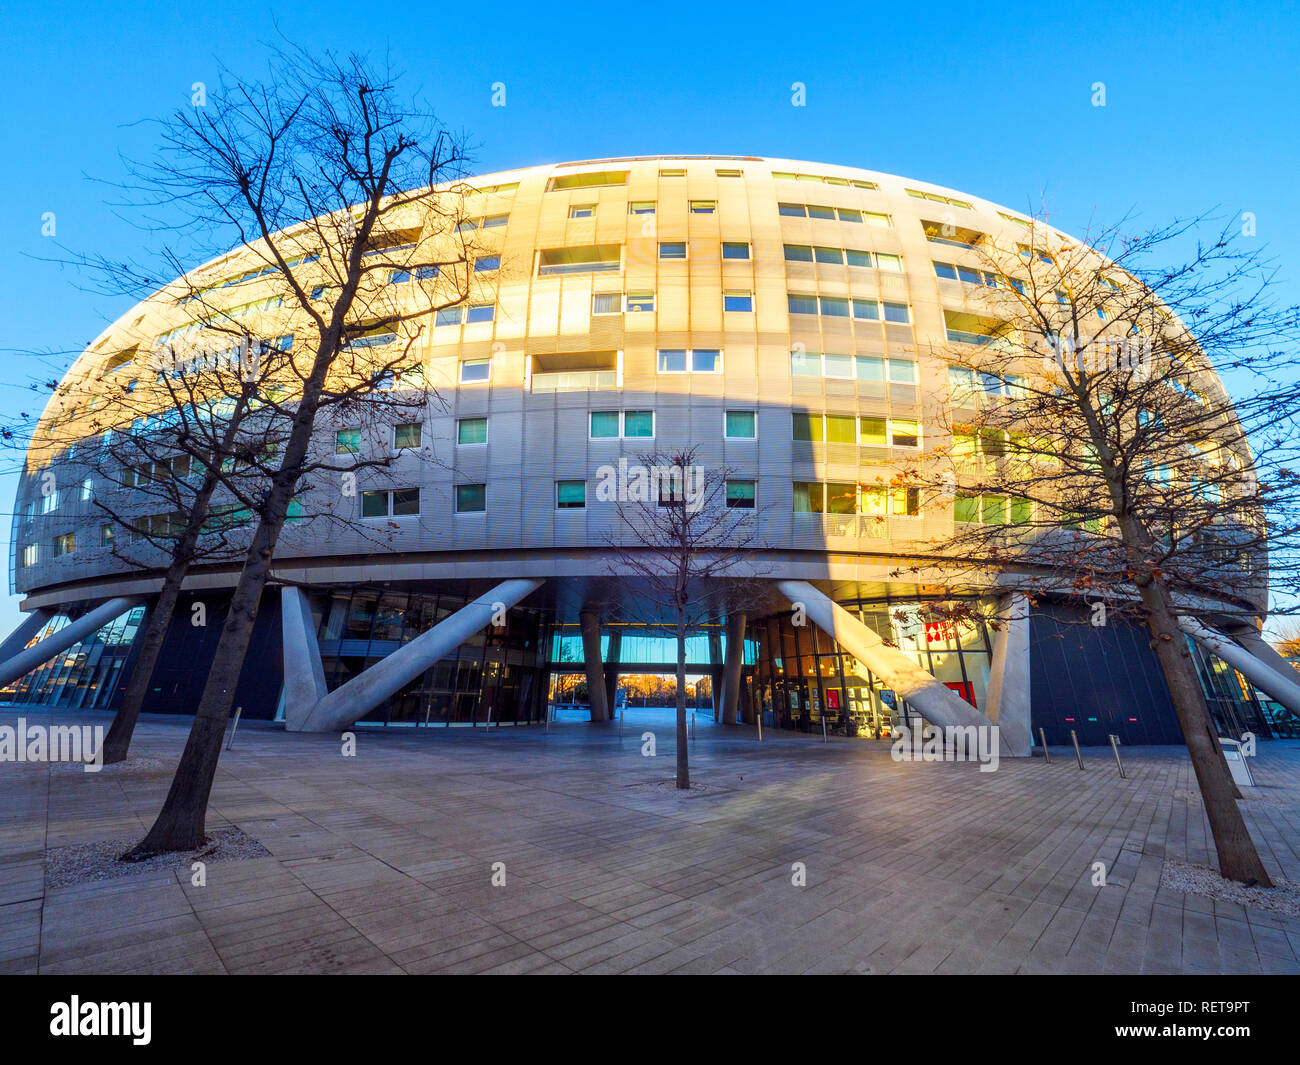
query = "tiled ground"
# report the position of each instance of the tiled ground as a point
(382, 862)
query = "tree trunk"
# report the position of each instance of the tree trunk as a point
(683, 766)
(1238, 858)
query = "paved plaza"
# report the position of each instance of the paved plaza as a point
(383, 862)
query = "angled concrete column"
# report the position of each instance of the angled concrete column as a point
(350, 701)
(1264, 677)
(611, 670)
(1253, 642)
(22, 636)
(304, 676)
(28, 659)
(589, 622)
(735, 660)
(1008, 697)
(937, 703)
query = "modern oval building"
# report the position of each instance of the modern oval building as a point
(781, 318)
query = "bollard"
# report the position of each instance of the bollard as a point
(620, 724)
(1047, 755)
(1114, 746)
(1077, 756)
(824, 736)
(234, 726)
(759, 718)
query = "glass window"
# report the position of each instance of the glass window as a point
(807, 426)
(604, 424)
(406, 435)
(737, 301)
(640, 301)
(835, 306)
(1022, 510)
(885, 261)
(735, 249)
(570, 495)
(904, 432)
(487, 263)
(374, 504)
(841, 498)
(106, 536)
(798, 253)
(641, 207)
(828, 255)
(858, 258)
(672, 360)
(847, 214)
(866, 310)
(492, 221)
(873, 499)
(907, 502)
(703, 206)
(740, 495)
(872, 431)
(406, 501)
(606, 302)
(740, 424)
(838, 365)
(471, 498)
(805, 363)
(672, 249)
(448, 316)
(475, 369)
(471, 431)
(966, 508)
(807, 497)
(897, 312)
(902, 371)
(871, 368)
(639, 423)
(993, 510)
(802, 304)
(821, 212)
(792, 210)
(706, 360)
(841, 429)
(347, 442)
(582, 210)
(480, 312)
(946, 270)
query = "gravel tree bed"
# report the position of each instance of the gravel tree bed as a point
(1283, 897)
(98, 860)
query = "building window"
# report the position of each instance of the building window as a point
(828, 255)
(396, 503)
(29, 555)
(604, 424)
(640, 301)
(606, 302)
(740, 425)
(471, 431)
(857, 258)
(475, 312)
(874, 368)
(87, 490)
(798, 253)
(639, 424)
(471, 498)
(592, 259)
(802, 304)
(65, 544)
(582, 210)
(50, 502)
(641, 207)
(676, 171)
(740, 495)
(671, 360)
(904, 432)
(406, 435)
(737, 301)
(347, 442)
(897, 312)
(672, 249)
(636, 424)
(704, 206)
(487, 263)
(570, 495)
(735, 249)
(106, 535)
(475, 370)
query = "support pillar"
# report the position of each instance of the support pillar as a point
(1008, 696)
(589, 622)
(348, 702)
(29, 658)
(22, 636)
(1252, 641)
(1264, 677)
(936, 702)
(304, 675)
(611, 669)
(734, 661)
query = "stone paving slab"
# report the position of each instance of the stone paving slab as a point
(383, 862)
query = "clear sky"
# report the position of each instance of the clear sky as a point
(992, 99)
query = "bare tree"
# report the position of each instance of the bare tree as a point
(683, 538)
(348, 202)
(1090, 446)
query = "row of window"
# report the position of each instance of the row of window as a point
(864, 430)
(850, 307)
(871, 368)
(816, 253)
(405, 435)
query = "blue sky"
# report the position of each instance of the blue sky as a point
(995, 100)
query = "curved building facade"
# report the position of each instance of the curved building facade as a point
(783, 318)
